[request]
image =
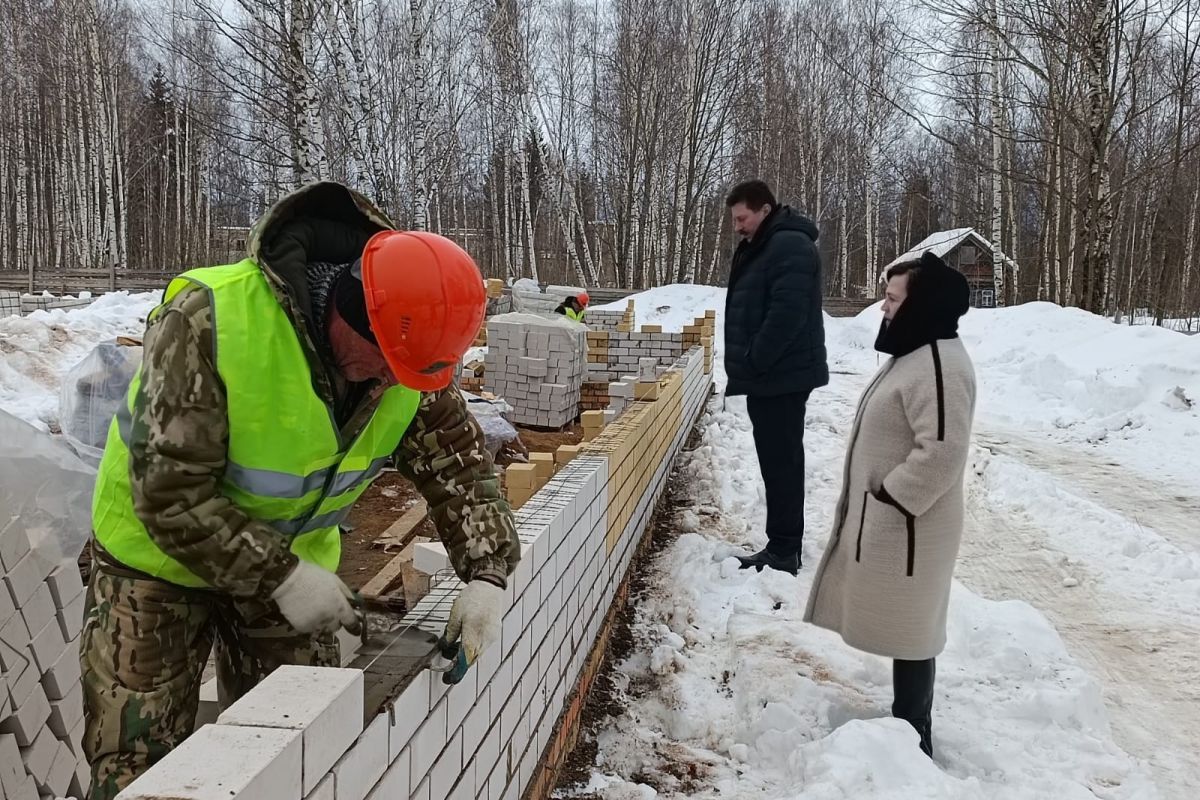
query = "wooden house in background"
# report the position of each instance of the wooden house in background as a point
(971, 254)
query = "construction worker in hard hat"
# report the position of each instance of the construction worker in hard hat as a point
(574, 306)
(272, 392)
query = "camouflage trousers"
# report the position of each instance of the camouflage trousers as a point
(144, 648)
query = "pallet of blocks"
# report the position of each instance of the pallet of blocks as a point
(41, 694)
(537, 364)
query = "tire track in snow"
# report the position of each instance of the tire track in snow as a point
(1145, 660)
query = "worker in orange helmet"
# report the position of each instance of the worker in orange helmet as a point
(574, 306)
(272, 393)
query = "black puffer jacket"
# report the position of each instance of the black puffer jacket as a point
(774, 332)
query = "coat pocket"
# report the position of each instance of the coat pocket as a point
(887, 536)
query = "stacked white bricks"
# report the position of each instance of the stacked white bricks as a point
(301, 735)
(31, 303)
(537, 365)
(41, 698)
(10, 304)
(535, 302)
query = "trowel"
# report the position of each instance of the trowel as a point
(381, 620)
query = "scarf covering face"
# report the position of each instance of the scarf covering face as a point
(938, 296)
(341, 285)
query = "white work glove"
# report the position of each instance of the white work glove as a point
(475, 617)
(313, 599)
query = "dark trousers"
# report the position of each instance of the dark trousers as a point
(779, 439)
(913, 682)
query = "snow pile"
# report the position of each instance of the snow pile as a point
(737, 697)
(732, 695)
(673, 306)
(36, 351)
(1070, 369)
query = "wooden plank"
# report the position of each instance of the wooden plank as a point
(402, 530)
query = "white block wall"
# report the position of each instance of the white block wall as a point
(480, 739)
(41, 699)
(626, 350)
(604, 320)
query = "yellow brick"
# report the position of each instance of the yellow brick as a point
(710, 313)
(543, 464)
(521, 476)
(519, 497)
(593, 419)
(645, 391)
(566, 453)
(652, 329)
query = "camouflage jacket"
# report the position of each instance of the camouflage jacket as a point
(180, 428)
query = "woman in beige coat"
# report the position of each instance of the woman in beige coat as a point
(884, 580)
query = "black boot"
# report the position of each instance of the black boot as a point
(913, 681)
(765, 558)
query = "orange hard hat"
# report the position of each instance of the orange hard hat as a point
(426, 301)
(583, 298)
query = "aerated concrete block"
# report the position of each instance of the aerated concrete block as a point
(66, 713)
(65, 583)
(63, 675)
(430, 557)
(227, 762)
(12, 769)
(70, 619)
(365, 762)
(324, 703)
(14, 544)
(30, 715)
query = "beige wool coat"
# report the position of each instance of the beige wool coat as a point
(884, 579)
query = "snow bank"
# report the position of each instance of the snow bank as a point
(37, 350)
(732, 695)
(1069, 369)
(735, 696)
(1071, 377)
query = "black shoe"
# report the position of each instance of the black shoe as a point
(765, 558)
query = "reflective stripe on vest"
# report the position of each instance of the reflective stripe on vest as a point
(286, 464)
(573, 314)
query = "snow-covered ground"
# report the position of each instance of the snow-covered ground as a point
(37, 350)
(1073, 663)
(1073, 666)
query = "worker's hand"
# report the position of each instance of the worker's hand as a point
(475, 617)
(313, 599)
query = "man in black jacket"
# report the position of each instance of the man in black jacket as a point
(775, 353)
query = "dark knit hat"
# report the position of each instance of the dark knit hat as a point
(350, 300)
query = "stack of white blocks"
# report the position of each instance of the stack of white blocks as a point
(31, 303)
(537, 365)
(41, 696)
(10, 304)
(300, 734)
(535, 303)
(627, 350)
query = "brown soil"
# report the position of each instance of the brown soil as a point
(381, 505)
(548, 441)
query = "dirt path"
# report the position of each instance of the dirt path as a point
(1147, 662)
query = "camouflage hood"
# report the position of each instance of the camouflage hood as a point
(322, 221)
